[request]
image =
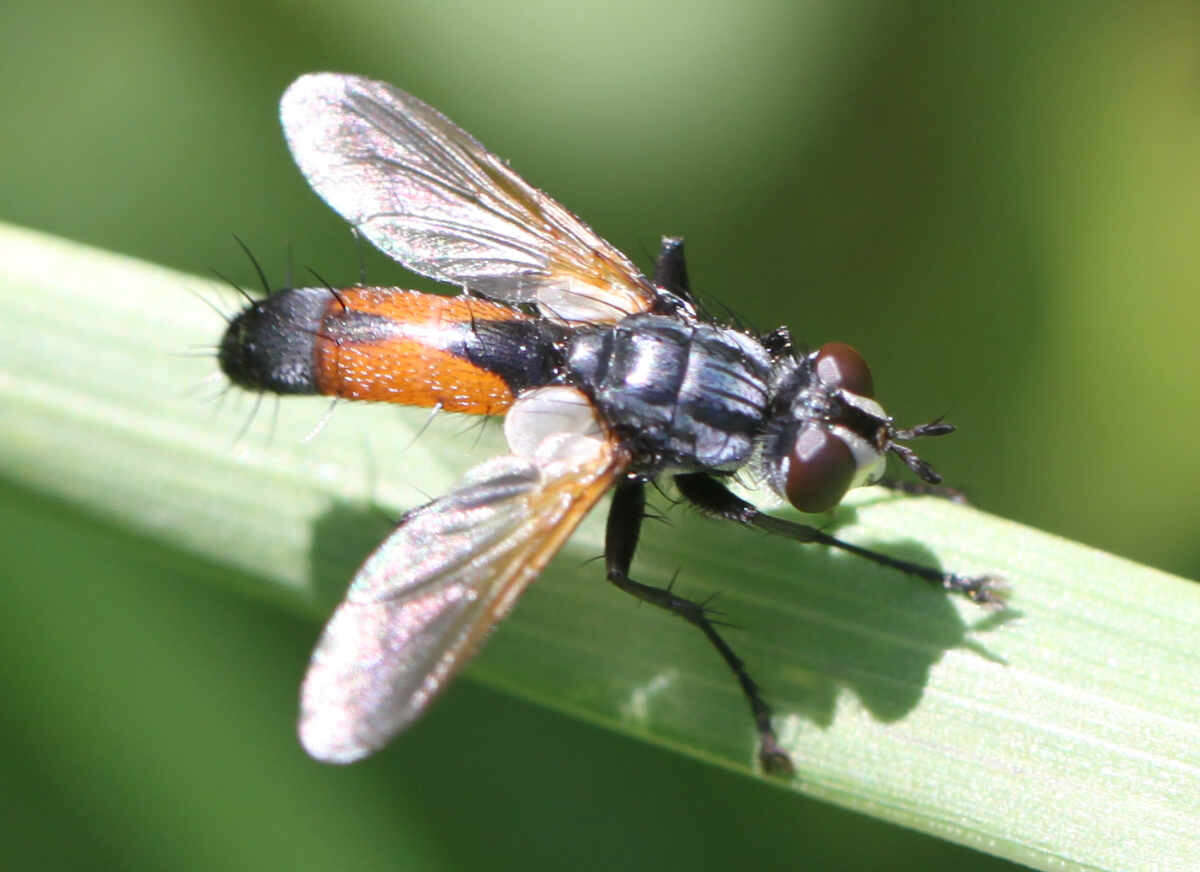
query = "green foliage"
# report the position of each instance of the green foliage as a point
(1002, 731)
(994, 202)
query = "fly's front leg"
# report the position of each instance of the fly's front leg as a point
(713, 498)
(621, 538)
(923, 489)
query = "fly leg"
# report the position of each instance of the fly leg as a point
(713, 498)
(670, 269)
(923, 489)
(621, 538)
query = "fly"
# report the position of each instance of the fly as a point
(607, 380)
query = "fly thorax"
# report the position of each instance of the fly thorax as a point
(681, 394)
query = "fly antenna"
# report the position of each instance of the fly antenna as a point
(936, 427)
(920, 468)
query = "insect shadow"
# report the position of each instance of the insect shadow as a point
(815, 625)
(341, 536)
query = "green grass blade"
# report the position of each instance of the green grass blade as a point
(1060, 735)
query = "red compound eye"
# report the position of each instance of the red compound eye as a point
(820, 470)
(840, 366)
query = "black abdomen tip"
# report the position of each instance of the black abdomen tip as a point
(270, 346)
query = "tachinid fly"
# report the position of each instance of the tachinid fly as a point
(607, 380)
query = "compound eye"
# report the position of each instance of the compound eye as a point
(820, 470)
(840, 366)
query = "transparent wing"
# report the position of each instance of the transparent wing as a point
(424, 601)
(429, 195)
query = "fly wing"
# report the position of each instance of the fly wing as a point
(425, 599)
(429, 195)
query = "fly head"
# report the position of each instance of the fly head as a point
(826, 433)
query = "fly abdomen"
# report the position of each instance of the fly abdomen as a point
(269, 345)
(461, 354)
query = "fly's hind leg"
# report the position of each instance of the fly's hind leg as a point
(624, 526)
(670, 270)
(712, 498)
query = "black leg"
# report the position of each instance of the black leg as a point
(670, 269)
(713, 498)
(923, 489)
(621, 538)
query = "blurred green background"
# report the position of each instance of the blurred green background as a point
(995, 202)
